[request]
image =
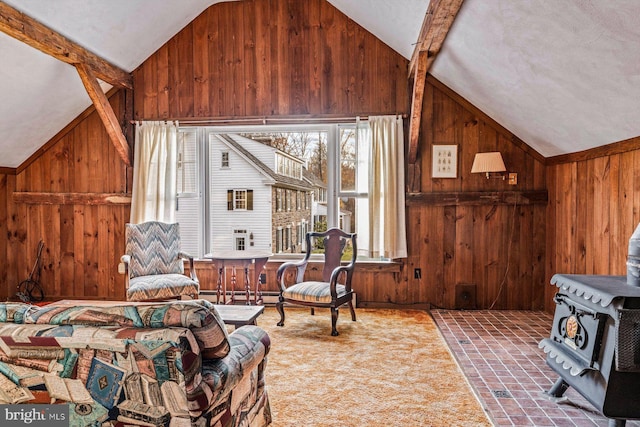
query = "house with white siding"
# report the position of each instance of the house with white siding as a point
(258, 197)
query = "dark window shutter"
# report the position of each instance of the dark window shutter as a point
(249, 200)
(229, 200)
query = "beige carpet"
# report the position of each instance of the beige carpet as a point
(389, 368)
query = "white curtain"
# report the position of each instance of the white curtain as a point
(154, 193)
(387, 233)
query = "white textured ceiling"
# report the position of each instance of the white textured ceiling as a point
(41, 95)
(563, 76)
(395, 22)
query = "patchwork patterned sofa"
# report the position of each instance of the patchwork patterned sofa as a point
(153, 364)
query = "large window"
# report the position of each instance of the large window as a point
(272, 183)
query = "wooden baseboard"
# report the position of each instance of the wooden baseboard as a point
(416, 306)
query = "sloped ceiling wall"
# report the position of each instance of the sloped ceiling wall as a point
(563, 76)
(41, 95)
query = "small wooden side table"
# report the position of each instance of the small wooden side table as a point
(243, 259)
(239, 315)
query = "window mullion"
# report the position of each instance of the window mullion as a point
(333, 172)
(203, 190)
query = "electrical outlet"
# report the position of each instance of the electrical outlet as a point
(417, 273)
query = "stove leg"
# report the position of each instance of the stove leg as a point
(614, 422)
(558, 389)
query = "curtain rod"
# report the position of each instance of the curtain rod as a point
(265, 120)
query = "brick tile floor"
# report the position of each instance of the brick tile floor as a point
(498, 352)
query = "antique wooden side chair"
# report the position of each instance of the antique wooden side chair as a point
(153, 260)
(334, 290)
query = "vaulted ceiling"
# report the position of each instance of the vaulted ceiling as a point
(562, 76)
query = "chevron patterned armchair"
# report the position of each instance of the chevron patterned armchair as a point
(154, 268)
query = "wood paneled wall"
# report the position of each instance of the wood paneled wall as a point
(271, 58)
(594, 209)
(499, 248)
(83, 242)
(251, 58)
(276, 58)
(7, 280)
(289, 58)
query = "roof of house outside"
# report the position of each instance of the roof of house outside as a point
(312, 179)
(280, 180)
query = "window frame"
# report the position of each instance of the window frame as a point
(331, 195)
(240, 199)
(234, 199)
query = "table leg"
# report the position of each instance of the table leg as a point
(247, 284)
(219, 286)
(233, 284)
(258, 296)
(259, 266)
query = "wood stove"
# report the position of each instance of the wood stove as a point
(595, 343)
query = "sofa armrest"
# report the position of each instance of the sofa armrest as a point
(250, 345)
(249, 348)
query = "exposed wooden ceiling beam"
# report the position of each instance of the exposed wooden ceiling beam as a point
(419, 80)
(26, 29)
(435, 27)
(105, 111)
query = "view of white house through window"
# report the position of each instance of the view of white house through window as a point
(269, 185)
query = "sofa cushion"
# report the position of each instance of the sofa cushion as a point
(199, 316)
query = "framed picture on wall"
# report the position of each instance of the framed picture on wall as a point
(445, 161)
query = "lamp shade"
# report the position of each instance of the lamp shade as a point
(488, 162)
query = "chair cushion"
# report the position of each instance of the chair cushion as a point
(312, 292)
(154, 248)
(161, 286)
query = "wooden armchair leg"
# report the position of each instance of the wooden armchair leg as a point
(334, 321)
(353, 312)
(280, 307)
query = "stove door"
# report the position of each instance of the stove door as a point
(576, 335)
